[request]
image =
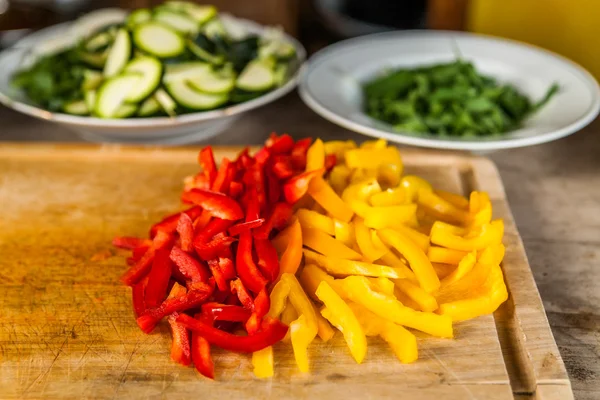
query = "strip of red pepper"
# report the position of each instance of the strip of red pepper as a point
(180, 346)
(130, 243)
(235, 230)
(261, 306)
(220, 277)
(235, 189)
(299, 152)
(137, 296)
(158, 279)
(295, 188)
(272, 331)
(185, 229)
(268, 260)
(282, 166)
(278, 218)
(226, 312)
(215, 203)
(219, 246)
(169, 224)
(238, 288)
(189, 267)
(280, 144)
(201, 354)
(246, 269)
(206, 159)
(273, 188)
(141, 268)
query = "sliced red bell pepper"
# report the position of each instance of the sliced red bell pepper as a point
(158, 279)
(217, 247)
(130, 243)
(299, 153)
(254, 177)
(282, 167)
(215, 203)
(180, 346)
(137, 293)
(278, 218)
(273, 188)
(139, 252)
(235, 189)
(330, 161)
(226, 312)
(194, 298)
(221, 182)
(262, 303)
(169, 224)
(295, 188)
(185, 228)
(280, 144)
(252, 205)
(201, 351)
(245, 226)
(214, 227)
(206, 159)
(243, 160)
(199, 181)
(262, 156)
(141, 268)
(189, 267)
(268, 261)
(272, 331)
(220, 277)
(238, 288)
(246, 269)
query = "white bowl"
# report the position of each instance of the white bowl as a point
(181, 129)
(331, 84)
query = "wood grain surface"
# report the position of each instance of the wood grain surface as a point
(67, 329)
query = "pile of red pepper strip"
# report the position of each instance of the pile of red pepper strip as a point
(208, 269)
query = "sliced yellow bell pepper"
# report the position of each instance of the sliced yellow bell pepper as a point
(339, 148)
(478, 201)
(390, 216)
(388, 175)
(302, 334)
(364, 240)
(312, 219)
(329, 200)
(443, 270)
(315, 156)
(374, 144)
(292, 255)
(483, 300)
(420, 239)
(424, 300)
(326, 245)
(372, 324)
(262, 361)
(405, 300)
(345, 321)
(382, 285)
(300, 300)
(440, 208)
(392, 260)
(344, 232)
(339, 178)
(445, 256)
(341, 267)
(288, 316)
(324, 329)
(489, 234)
(455, 199)
(492, 255)
(359, 291)
(412, 184)
(389, 197)
(357, 195)
(464, 287)
(278, 297)
(372, 158)
(464, 266)
(416, 258)
(311, 276)
(359, 175)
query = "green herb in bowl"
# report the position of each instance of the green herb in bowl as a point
(450, 99)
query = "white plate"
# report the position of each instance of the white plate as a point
(331, 84)
(182, 129)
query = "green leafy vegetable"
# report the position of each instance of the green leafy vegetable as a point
(450, 99)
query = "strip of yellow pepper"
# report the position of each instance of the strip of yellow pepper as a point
(278, 297)
(359, 291)
(302, 334)
(345, 321)
(425, 301)
(329, 200)
(315, 156)
(420, 239)
(312, 219)
(262, 361)
(405, 300)
(374, 144)
(455, 199)
(311, 276)
(388, 175)
(440, 208)
(364, 240)
(373, 157)
(339, 178)
(389, 197)
(390, 216)
(325, 244)
(395, 262)
(300, 301)
(359, 175)
(444, 255)
(443, 270)
(324, 329)
(344, 232)
(402, 342)
(416, 258)
(341, 267)
(292, 255)
(489, 234)
(382, 285)
(288, 316)
(357, 195)
(480, 208)
(339, 147)
(412, 184)
(464, 266)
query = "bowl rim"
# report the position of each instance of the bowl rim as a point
(154, 122)
(442, 143)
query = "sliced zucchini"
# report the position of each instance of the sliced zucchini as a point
(138, 16)
(99, 42)
(213, 82)
(77, 107)
(90, 99)
(166, 102)
(204, 55)
(256, 77)
(285, 51)
(125, 110)
(179, 21)
(149, 107)
(201, 13)
(185, 71)
(158, 40)
(112, 94)
(91, 80)
(95, 60)
(150, 70)
(214, 27)
(119, 54)
(192, 99)
(281, 74)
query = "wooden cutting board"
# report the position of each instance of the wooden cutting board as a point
(67, 330)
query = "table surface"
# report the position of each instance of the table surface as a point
(553, 190)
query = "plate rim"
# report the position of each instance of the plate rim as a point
(314, 104)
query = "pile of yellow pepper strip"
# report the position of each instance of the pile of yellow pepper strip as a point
(383, 252)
